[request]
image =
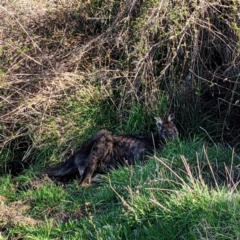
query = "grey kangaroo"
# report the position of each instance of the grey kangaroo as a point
(105, 151)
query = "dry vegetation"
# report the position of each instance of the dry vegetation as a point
(57, 53)
(13, 215)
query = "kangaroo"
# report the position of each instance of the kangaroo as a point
(105, 151)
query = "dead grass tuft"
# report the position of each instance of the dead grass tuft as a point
(38, 182)
(14, 215)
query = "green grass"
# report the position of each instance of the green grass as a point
(179, 193)
(158, 199)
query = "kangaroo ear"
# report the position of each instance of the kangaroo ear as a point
(159, 121)
(171, 117)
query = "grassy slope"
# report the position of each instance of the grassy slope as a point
(63, 77)
(163, 198)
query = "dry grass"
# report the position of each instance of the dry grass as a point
(15, 214)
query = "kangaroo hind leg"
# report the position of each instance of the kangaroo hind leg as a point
(99, 151)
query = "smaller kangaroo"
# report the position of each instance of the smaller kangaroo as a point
(105, 151)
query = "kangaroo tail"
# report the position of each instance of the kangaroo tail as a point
(64, 169)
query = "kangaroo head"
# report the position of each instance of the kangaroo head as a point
(167, 130)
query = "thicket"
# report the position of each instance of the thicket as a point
(69, 68)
